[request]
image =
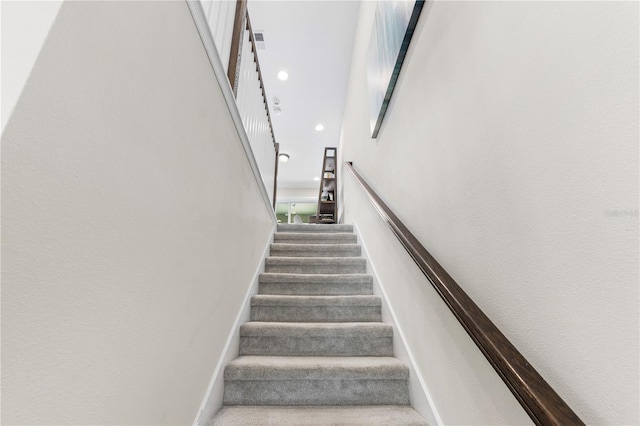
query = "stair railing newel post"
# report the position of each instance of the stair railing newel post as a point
(275, 174)
(535, 395)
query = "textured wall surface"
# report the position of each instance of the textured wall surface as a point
(131, 222)
(453, 383)
(510, 149)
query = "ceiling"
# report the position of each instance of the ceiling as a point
(312, 41)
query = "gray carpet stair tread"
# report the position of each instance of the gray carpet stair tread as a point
(297, 301)
(288, 260)
(316, 246)
(315, 284)
(316, 350)
(393, 415)
(316, 339)
(314, 265)
(318, 250)
(315, 237)
(316, 278)
(286, 227)
(315, 368)
(304, 329)
(323, 309)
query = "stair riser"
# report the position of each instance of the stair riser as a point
(316, 392)
(316, 313)
(316, 269)
(302, 289)
(293, 252)
(364, 345)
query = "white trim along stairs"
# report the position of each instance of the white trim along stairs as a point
(315, 351)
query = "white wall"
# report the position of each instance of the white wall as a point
(131, 222)
(451, 382)
(510, 144)
(286, 195)
(24, 28)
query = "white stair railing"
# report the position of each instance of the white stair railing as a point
(252, 105)
(220, 17)
(230, 27)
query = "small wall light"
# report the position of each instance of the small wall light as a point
(283, 158)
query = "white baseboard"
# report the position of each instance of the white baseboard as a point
(212, 401)
(421, 399)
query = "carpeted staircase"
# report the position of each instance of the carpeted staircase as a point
(315, 350)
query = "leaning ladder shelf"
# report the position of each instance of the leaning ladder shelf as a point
(327, 196)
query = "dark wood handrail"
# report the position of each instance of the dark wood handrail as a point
(236, 39)
(537, 397)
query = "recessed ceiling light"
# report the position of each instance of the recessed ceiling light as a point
(316, 178)
(283, 158)
(319, 128)
(283, 75)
